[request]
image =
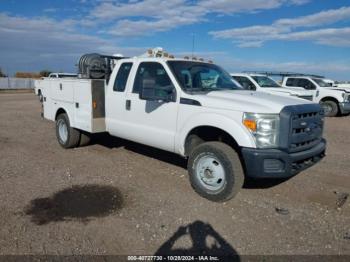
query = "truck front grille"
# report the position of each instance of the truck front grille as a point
(306, 130)
(301, 127)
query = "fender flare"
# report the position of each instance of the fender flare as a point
(70, 117)
(241, 135)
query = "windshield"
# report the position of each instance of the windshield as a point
(322, 83)
(195, 76)
(264, 81)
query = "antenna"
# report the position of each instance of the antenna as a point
(193, 39)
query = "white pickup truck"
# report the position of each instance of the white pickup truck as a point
(191, 108)
(263, 83)
(334, 100)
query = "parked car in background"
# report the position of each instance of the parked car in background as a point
(339, 85)
(334, 100)
(63, 75)
(263, 83)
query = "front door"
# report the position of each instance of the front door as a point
(151, 122)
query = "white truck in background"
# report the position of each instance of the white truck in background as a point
(263, 83)
(334, 100)
(339, 85)
(191, 108)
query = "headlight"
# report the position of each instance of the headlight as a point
(264, 128)
(346, 97)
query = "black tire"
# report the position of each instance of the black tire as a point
(230, 163)
(73, 135)
(85, 139)
(331, 108)
(193, 142)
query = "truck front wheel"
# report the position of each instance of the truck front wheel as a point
(330, 108)
(215, 171)
(67, 136)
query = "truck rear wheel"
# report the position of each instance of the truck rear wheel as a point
(215, 171)
(67, 136)
(330, 108)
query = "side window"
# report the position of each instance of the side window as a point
(151, 73)
(307, 84)
(245, 82)
(122, 77)
(291, 82)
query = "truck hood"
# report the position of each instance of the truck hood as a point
(343, 89)
(247, 101)
(293, 91)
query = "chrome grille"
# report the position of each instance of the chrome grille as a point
(306, 130)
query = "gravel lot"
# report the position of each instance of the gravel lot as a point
(117, 197)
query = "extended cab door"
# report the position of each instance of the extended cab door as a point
(116, 121)
(149, 122)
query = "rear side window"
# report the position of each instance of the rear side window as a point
(151, 72)
(122, 77)
(291, 82)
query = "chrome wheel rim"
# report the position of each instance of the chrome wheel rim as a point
(210, 173)
(327, 108)
(62, 130)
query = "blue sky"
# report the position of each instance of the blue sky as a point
(309, 36)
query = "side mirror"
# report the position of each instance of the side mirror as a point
(248, 86)
(150, 92)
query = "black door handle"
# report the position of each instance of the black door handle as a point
(128, 104)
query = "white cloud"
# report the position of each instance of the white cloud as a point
(34, 43)
(318, 19)
(333, 69)
(284, 29)
(147, 16)
(229, 6)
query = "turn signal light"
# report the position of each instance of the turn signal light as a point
(250, 124)
(94, 105)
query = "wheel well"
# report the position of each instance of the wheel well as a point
(60, 111)
(329, 98)
(206, 134)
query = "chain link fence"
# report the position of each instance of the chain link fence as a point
(16, 83)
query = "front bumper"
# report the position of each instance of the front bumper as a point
(344, 107)
(274, 163)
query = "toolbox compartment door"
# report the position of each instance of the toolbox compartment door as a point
(62, 90)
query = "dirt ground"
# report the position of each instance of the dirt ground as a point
(116, 197)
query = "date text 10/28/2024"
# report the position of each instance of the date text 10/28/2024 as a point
(173, 258)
